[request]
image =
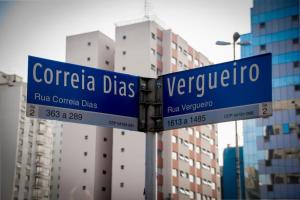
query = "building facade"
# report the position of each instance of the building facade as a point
(29, 166)
(87, 150)
(110, 163)
(272, 145)
(229, 185)
(187, 160)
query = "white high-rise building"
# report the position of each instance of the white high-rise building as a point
(29, 168)
(87, 150)
(187, 159)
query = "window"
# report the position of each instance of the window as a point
(124, 37)
(191, 162)
(262, 47)
(184, 174)
(121, 184)
(174, 189)
(159, 56)
(191, 177)
(159, 39)
(295, 18)
(297, 87)
(174, 139)
(174, 45)
(270, 188)
(191, 147)
(122, 149)
(124, 52)
(185, 52)
(104, 139)
(107, 62)
(86, 137)
(153, 67)
(88, 58)
(180, 64)
(190, 57)
(84, 170)
(174, 155)
(153, 36)
(197, 149)
(190, 131)
(89, 43)
(212, 170)
(296, 64)
(198, 180)
(104, 155)
(152, 51)
(173, 60)
(122, 166)
(197, 133)
(198, 165)
(262, 25)
(295, 41)
(174, 172)
(85, 153)
(192, 195)
(180, 48)
(213, 186)
(104, 172)
(83, 187)
(107, 47)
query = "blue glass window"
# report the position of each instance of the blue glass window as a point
(277, 36)
(268, 16)
(285, 128)
(286, 57)
(285, 81)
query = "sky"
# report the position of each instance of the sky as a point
(39, 28)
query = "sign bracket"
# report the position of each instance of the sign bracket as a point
(150, 104)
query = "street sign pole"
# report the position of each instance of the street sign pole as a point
(151, 168)
(236, 36)
(150, 121)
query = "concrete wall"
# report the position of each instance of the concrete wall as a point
(10, 99)
(96, 50)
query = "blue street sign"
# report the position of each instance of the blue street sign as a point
(74, 93)
(235, 90)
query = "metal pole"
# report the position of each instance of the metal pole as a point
(237, 152)
(151, 157)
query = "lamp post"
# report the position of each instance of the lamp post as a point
(236, 37)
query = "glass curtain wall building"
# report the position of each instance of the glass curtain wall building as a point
(229, 183)
(272, 145)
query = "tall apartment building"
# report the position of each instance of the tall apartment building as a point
(187, 160)
(87, 150)
(29, 169)
(99, 163)
(272, 145)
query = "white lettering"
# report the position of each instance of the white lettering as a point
(255, 66)
(34, 72)
(225, 75)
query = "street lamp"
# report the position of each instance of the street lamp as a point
(236, 37)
